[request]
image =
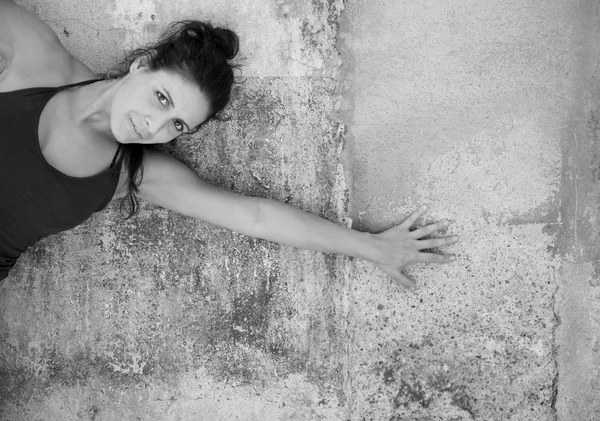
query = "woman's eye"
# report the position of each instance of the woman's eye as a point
(163, 99)
(178, 125)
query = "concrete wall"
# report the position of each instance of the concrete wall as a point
(488, 112)
(471, 107)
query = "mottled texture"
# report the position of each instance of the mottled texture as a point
(489, 112)
(470, 108)
(163, 317)
(578, 297)
(475, 342)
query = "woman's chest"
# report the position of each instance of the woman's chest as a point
(69, 146)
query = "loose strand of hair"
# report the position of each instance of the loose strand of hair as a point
(133, 157)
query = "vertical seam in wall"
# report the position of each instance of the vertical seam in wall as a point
(554, 351)
(345, 210)
(344, 115)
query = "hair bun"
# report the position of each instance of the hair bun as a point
(223, 40)
(227, 42)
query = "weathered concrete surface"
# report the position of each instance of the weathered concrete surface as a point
(578, 298)
(470, 107)
(486, 111)
(165, 318)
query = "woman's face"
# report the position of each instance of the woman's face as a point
(155, 106)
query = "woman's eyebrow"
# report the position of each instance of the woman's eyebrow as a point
(173, 105)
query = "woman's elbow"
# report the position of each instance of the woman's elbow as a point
(256, 217)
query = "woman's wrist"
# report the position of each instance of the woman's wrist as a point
(367, 247)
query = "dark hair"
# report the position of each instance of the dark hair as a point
(198, 51)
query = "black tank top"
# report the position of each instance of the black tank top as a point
(36, 199)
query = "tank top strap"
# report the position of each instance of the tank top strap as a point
(73, 85)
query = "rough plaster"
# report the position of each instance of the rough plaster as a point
(487, 112)
(161, 317)
(473, 109)
(486, 86)
(278, 37)
(578, 298)
(158, 297)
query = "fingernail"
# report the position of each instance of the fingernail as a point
(455, 238)
(452, 258)
(424, 207)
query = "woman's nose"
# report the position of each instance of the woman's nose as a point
(155, 123)
(150, 126)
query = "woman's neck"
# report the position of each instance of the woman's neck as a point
(91, 106)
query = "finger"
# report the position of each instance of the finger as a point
(397, 275)
(406, 282)
(435, 258)
(429, 229)
(437, 242)
(412, 218)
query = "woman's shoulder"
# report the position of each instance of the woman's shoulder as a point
(33, 53)
(47, 75)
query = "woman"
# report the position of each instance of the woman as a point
(70, 143)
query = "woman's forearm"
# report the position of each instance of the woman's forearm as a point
(285, 224)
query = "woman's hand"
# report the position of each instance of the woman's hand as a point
(399, 246)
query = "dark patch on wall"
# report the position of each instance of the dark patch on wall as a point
(19, 384)
(333, 13)
(460, 398)
(411, 393)
(424, 393)
(254, 150)
(16, 386)
(417, 375)
(250, 315)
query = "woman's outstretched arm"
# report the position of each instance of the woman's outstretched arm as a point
(170, 184)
